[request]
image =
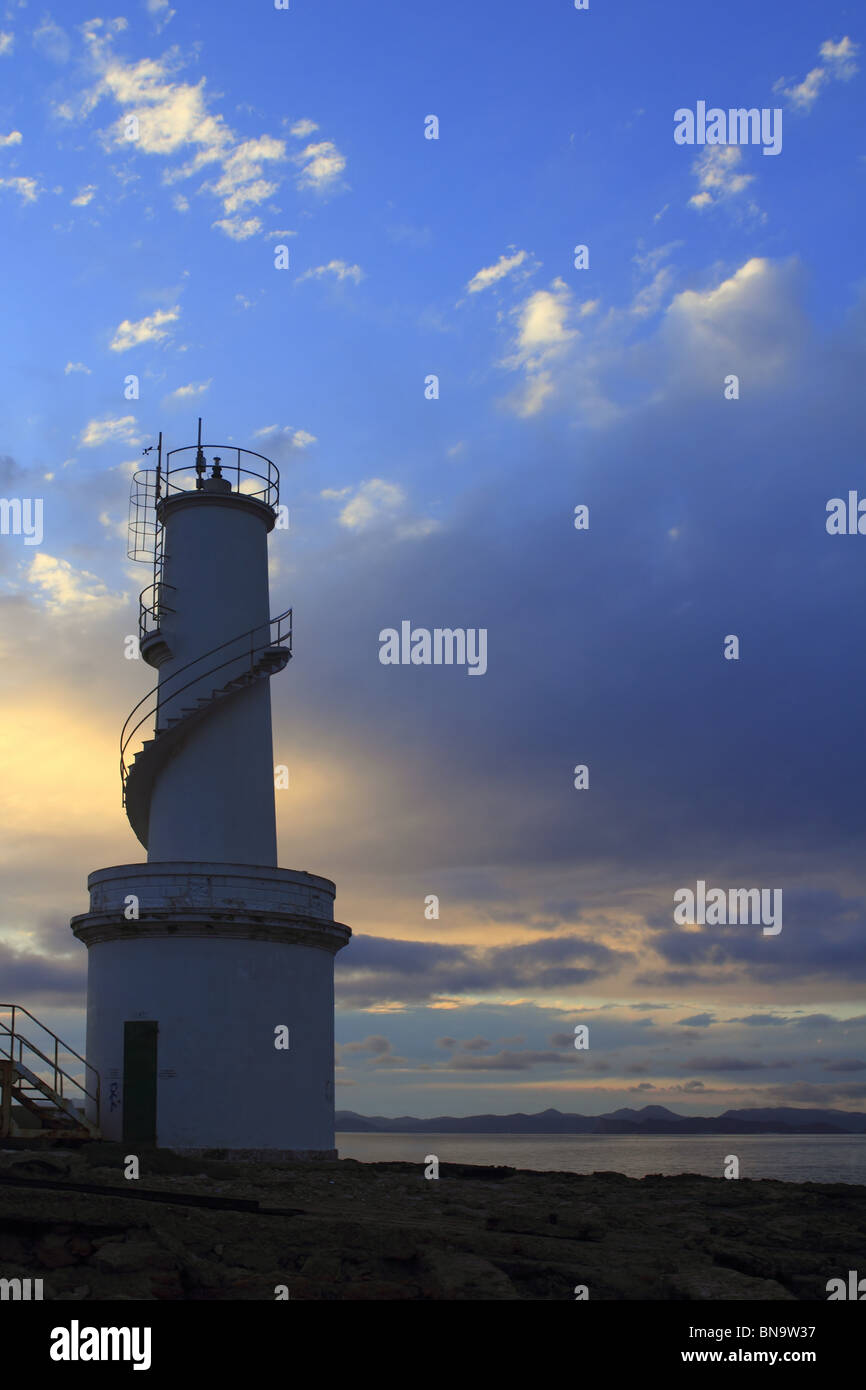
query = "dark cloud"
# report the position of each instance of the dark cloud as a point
(724, 1064)
(376, 969)
(823, 936)
(508, 1061)
(39, 980)
(375, 1044)
(762, 1020)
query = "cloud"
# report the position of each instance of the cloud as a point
(489, 275)
(724, 1064)
(42, 979)
(380, 970)
(513, 1061)
(174, 119)
(27, 189)
(7, 42)
(373, 500)
(301, 129)
(283, 439)
(75, 367)
(376, 503)
(110, 430)
(824, 938)
(375, 1044)
(323, 165)
(66, 589)
(190, 392)
(542, 324)
(750, 309)
(161, 13)
(147, 330)
(717, 170)
(52, 41)
(85, 196)
(339, 269)
(13, 138)
(542, 338)
(239, 228)
(839, 65)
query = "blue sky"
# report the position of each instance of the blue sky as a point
(557, 386)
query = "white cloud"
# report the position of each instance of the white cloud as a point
(748, 318)
(376, 503)
(489, 275)
(323, 165)
(186, 393)
(238, 228)
(542, 338)
(75, 367)
(110, 430)
(13, 138)
(748, 323)
(542, 327)
(839, 65)
(241, 182)
(285, 434)
(301, 129)
(161, 13)
(66, 589)
(341, 269)
(147, 330)
(52, 41)
(840, 57)
(648, 299)
(718, 174)
(180, 203)
(373, 499)
(85, 196)
(119, 527)
(174, 119)
(28, 189)
(7, 42)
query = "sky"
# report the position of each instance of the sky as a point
(148, 265)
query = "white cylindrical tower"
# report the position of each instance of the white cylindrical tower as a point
(210, 1000)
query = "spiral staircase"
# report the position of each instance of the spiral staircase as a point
(255, 655)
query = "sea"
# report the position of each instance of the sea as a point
(798, 1158)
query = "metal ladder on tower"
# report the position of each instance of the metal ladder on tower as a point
(260, 660)
(24, 1084)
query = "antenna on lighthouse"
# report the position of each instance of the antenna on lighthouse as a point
(200, 462)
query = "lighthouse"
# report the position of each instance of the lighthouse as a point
(210, 984)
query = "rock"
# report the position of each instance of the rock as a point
(25, 1164)
(132, 1256)
(460, 1275)
(366, 1232)
(717, 1283)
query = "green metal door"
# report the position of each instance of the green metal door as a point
(139, 1082)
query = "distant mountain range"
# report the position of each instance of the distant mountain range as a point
(652, 1119)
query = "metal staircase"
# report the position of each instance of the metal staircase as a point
(260, 653)
(25, 1084)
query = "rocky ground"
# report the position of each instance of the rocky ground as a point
(346, 1230)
